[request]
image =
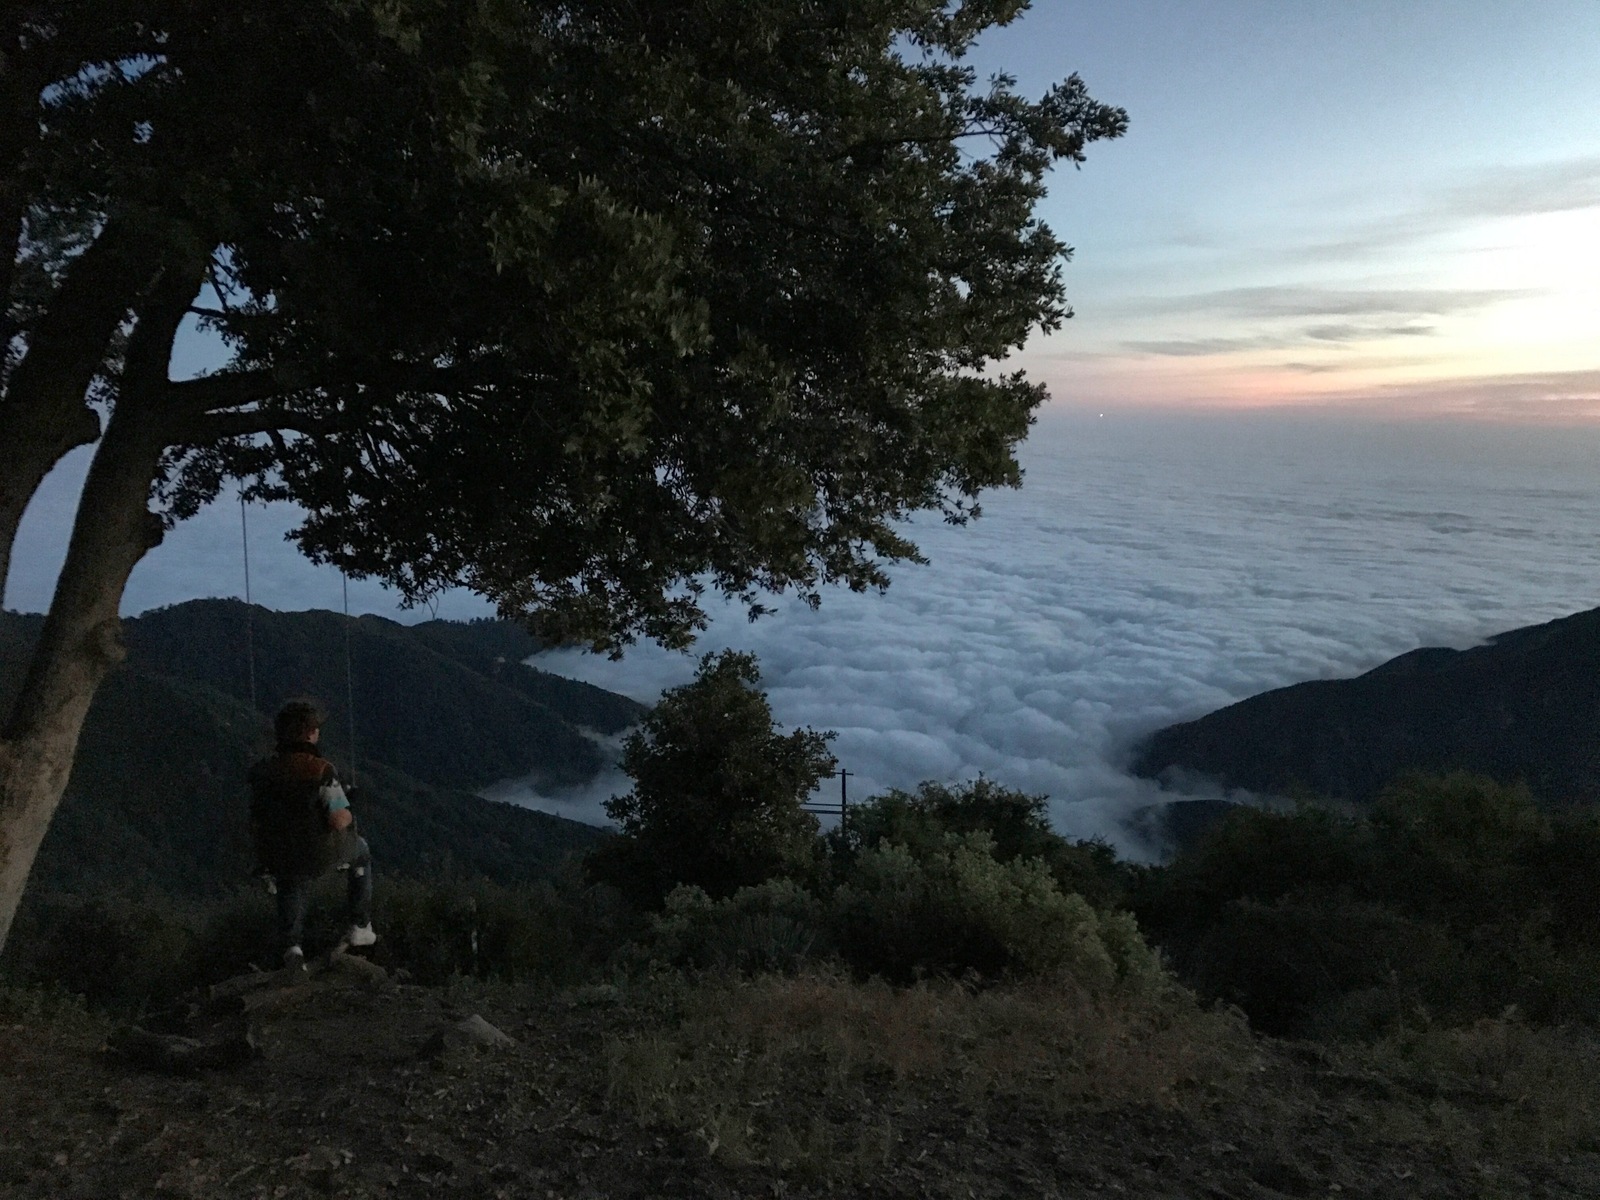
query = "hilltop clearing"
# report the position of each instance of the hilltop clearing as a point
(801, 1086)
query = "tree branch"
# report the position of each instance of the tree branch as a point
(226, 389)
(218, 427)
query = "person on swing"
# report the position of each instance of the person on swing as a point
(302, 827)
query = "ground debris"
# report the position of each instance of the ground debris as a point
(600, 1100)
(180, 1055)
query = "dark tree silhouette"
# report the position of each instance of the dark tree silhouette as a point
(587, 306)
(717, 790)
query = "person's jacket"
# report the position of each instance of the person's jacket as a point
(292, 795)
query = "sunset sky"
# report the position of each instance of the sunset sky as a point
(1389, 207)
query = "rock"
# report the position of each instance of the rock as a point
(473, 1033)
(353, 967)
(242, 985)
(178, 1055)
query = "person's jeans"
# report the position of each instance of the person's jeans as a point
(294, 891)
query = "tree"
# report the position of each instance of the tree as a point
(589, 306)
(717, 790)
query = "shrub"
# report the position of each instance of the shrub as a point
(773, 927)
(147, 951)
(953, 908)
(113, 950)
(1455, 898)
(559, 931)
(1016, 822)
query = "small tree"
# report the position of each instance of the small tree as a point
(717, 792)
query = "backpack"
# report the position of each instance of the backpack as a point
(288, 820)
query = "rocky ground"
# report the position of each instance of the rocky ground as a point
(354, 1084)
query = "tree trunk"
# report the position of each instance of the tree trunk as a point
(43, 411)
(82, 636)
(81, 641)
(31, 452)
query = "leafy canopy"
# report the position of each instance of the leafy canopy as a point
(587, 306)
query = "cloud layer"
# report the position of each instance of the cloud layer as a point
(1154, 569)
(1151, 569)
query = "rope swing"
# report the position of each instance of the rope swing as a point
(249, 610)
(349, 677)
(250, 636)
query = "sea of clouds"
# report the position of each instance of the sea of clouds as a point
(1151, 569)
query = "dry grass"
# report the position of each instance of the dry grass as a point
(813, 1073)
(1493, 1087)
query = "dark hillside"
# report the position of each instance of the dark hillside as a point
(499, 648)
(1525, 707)
(157, 794)
(437, 707)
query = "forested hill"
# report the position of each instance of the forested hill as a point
(447, 703)
(157, 795)
(1524, 707)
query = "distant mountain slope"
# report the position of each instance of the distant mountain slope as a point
(1525, 706)
(157, 795)
(442, 703)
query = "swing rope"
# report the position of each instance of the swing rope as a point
(250, 636)
(249, 610)
(349, 678)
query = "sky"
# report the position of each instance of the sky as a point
(1360, 204)
(1332, 391)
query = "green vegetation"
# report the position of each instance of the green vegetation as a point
(1454, 899)
(1017, 824)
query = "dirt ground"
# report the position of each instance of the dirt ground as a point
(348, 1093)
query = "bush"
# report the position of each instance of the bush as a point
(113, 950)
(1455, 898)
(774, 927)
(954, 909)
(146, 951)
(1017, 823)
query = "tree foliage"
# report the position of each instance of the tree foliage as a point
(1016, 826)
(575, 304)
(717, 790)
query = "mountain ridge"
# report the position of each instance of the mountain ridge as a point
(1522, 707)
(157, 797)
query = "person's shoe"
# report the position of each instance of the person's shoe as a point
(294, 959)
(361, 935)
